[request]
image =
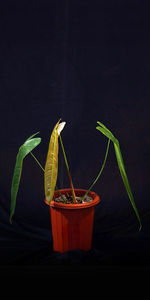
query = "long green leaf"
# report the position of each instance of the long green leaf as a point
(125, 179)
(30, 137)
(103, 129)
(107, 133)
(26, 148)
(106, 129)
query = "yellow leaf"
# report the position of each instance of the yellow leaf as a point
(51, 166)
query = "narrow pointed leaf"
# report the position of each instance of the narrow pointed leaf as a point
(103, 129)
(103, 126)
(30, 137)
(107, 133)
(125, 179)
(28, 146)
(51, 166)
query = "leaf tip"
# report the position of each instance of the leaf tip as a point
(60, 127)
(140, 228)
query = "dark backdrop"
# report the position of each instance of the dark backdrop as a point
(82, 61)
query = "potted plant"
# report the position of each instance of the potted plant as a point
(71, 210)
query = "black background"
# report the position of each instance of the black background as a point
(82, 61)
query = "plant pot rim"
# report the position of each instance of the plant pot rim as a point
(71, 206)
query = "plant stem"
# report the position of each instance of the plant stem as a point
(69, 173)
(37, 162)
(99, 174)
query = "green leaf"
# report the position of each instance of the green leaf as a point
(103, 126)
(106, 133)
(30, 137)
(125, 179)
(103, 129)
(26, 148)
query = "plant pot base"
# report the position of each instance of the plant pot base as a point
(72, 230)
(72, 224)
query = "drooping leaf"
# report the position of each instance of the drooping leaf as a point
(125, 179)
(51, 166)
(106, 129)
(103, 129)
(28, 146)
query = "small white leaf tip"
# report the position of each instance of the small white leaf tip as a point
(60, 127)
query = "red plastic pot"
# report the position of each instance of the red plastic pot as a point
(72, 224)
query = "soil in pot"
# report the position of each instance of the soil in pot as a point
(68, 199)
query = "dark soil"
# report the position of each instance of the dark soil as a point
(68, 199)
